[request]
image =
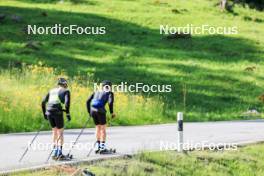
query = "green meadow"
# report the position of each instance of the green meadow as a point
(246, 161)
(213, 77)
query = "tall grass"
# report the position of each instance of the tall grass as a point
(21, 92)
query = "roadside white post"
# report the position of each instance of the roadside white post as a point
(180, 131)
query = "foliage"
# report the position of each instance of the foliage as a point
(210, 69)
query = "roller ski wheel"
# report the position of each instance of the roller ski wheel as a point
(69, 156)
(64, 158)
(54, 158)
(107, 151)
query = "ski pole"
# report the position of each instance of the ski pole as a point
(90, 151)
(25, 152)
(109, 120)
(86, 123)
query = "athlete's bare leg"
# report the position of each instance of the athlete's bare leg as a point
(60, 137)
(103, 132)
(98, 132)
(54, 136)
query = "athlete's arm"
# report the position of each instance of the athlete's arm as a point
(88, 103)
(67, 101)
(43, 104)
(111, 102)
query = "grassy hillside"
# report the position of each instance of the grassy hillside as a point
(247, 161)
(209, 68)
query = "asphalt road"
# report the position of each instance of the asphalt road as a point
(127, 140)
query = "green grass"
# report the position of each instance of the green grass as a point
(246, 161)
(210, 66)
(32, 82)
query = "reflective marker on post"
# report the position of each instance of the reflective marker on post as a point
(180, 131)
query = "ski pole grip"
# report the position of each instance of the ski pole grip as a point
(180, 131)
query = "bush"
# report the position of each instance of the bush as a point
(256, 4)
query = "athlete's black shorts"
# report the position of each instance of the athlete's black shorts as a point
(56, 119)
(99, 118)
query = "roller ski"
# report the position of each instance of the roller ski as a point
(106, 151)
(101, 148)
(58, 156)
(62, 158)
